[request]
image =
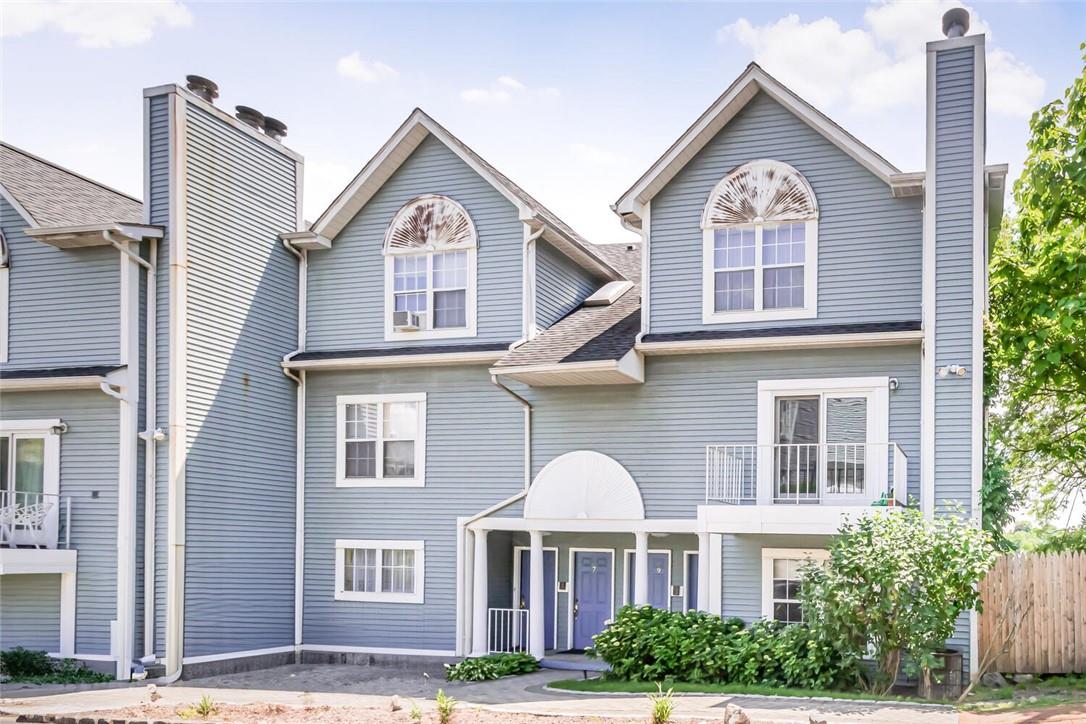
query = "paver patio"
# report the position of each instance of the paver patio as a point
(370, 687)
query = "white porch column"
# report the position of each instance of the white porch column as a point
(703, 571)
(641, 568)
(479, 645)
(536, 607)
(67, 613)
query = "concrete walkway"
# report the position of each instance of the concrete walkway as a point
(370, 687)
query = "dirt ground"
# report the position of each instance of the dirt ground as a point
(1067, 714)
(281, 714)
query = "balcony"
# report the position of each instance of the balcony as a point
(803, 488)
(34, 520)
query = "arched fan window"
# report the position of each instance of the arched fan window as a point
(430, 270)
(761, 240)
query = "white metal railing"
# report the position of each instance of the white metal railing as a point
(847, 473)
(507, 630)
(34, 519)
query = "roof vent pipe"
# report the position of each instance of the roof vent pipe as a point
(206, 89)
(250, 117)
(955, 22)
(274, 128)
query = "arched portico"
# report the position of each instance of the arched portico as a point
(582, 491)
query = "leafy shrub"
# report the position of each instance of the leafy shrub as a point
(494, 666)
(770, 653)
(897, 582)
(35, 667)
(19, 663)
(651, 644)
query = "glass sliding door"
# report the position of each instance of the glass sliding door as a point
(795, 453)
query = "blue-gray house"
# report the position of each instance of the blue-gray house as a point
(439, 422)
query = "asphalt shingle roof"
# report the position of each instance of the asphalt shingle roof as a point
(591, 333)
(55, 196)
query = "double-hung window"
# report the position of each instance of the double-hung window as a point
(782, 577)
(381, 440)
(379, 570)
(760, 229)
(430, 256)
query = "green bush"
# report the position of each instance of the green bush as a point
(651, 644)
(19, 663)
(35, 667)
(494, 666)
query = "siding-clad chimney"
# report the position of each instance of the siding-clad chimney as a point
(954, 279)
(227, 315)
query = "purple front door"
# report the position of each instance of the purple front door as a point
(592, 587)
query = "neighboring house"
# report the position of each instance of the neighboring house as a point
(491, 433)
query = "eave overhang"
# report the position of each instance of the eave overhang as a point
(76, 237)
(628, 370)
(57, 378)
(435, 359)
(781, 342)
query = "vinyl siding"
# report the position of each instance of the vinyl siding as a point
(561, 285)
(659, 430)
(242, 312)
(474, 458)
(869, 246)
(88, 476)
(954, 274)
(63, 304)
(31, 606)
(741, 564)
(159, 213)
(346, 283)
(954, 168)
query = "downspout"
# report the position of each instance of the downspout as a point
(299, 452)
(150, 435)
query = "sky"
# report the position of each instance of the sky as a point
(573, 101)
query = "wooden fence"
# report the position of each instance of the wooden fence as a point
(1044, 595)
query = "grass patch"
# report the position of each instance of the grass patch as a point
(1029, 693)
(611, 686)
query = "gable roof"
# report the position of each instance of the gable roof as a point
(752, 81)
(401, 145)
(48, 195)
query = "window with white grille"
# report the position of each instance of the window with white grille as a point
(380, 440)
(379, 570)
(760, 229)
(782, 578)
(430, 257)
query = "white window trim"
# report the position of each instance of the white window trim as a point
(809, 310)
(771, 554)
(877, 392)
(470, 298)
(417, 546)
(418, 481)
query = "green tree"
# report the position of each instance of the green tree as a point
(896, 581)
(999, 498)
(1037, 327)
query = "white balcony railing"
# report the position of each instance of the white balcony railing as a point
(507, 630)
(826, 473)
(34, 519)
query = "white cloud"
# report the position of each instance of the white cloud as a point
(95, 24)
(366, 71)
(324, 180)
(1013, 88)
(503, 90)
(878, 67)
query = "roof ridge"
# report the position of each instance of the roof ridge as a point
(68, 171)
